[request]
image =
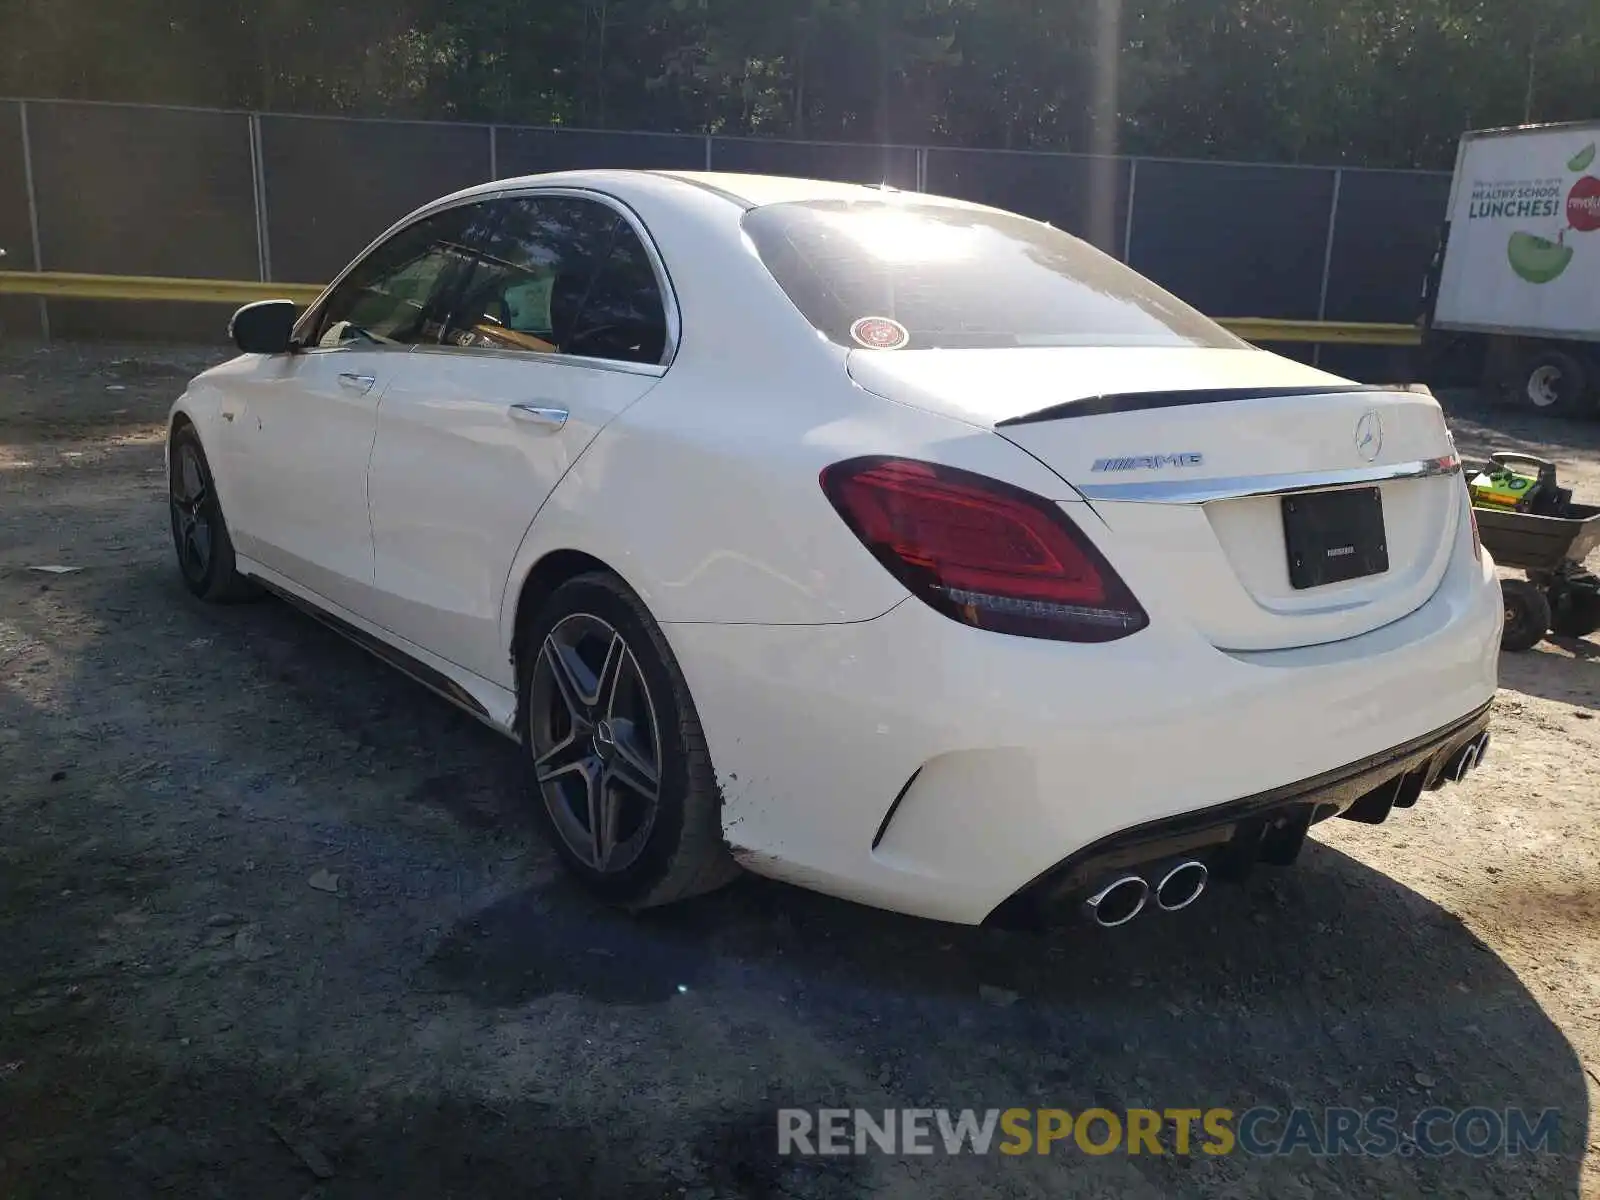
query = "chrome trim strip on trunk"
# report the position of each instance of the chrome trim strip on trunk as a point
(1204, 491)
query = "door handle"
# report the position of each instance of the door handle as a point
(357, 383)
(535, 414)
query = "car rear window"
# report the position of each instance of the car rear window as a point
(961, 278)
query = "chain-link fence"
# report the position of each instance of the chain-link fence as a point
(141, 190)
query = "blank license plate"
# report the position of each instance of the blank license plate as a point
(1334, 536)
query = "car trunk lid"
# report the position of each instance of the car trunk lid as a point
(1240, 490)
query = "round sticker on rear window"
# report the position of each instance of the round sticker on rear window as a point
(880, 333)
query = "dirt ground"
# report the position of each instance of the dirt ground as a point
(274, 922)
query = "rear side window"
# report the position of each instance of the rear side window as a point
(562, 275)
(624, 315)
(958, 278)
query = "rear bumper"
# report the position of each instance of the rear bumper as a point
(915, 764)
(1267, 827)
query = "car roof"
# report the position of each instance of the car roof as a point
(747, 191)
(753, 191)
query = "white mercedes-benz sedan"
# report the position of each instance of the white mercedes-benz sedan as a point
(898, 547)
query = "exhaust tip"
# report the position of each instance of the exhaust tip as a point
(1118, 902)
(1182, 886)
(1468, 757)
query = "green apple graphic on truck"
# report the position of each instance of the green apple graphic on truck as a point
(1538, 259)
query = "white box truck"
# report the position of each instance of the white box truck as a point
(1519, 263)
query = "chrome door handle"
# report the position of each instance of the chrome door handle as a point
(535, 414)
(358, 383)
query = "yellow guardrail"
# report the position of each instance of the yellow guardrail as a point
(1354, 333)
(69, 285)
(65, 285)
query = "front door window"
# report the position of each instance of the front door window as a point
(397, 294)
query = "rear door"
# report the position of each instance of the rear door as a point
(560, 324)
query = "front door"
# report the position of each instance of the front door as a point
(298, 428)
(560, 326)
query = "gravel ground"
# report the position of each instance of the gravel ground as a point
(274, 922)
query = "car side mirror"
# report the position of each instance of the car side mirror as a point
(265, 327)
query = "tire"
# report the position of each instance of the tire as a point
(1576, 612)
(199, 532)
(602, 707)
(1527, 615)
(1552, 381)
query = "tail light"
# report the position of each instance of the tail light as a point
(1472, 519)
(983, 552)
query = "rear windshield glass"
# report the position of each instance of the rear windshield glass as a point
(961, 278)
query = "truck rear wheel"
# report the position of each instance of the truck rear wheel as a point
(1553, 381)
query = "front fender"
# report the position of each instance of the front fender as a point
(200, 407)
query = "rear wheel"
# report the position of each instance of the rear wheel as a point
(1554, 382)
(199, 533)
(618, 758)
(1527, 615)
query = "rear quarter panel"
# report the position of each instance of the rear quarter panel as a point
(704, 496)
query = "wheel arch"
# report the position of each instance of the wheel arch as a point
(179, 417)
(540, 582)
(553, 568)
(192, 411)
(192, 408)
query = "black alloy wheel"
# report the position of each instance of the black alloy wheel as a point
(199, 532)
(615, 747)
(596, 740)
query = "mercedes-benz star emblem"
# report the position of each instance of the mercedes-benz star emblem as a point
(605, 739)
(1369, 436)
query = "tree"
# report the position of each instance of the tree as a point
(1379, 82)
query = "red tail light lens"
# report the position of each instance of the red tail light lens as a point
(983, 552)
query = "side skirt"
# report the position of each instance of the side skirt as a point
(488, 702)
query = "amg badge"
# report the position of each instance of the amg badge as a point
(1147, 462)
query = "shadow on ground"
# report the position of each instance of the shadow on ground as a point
(108, 1126)
(1327, 985)
(1481, 428)
(1566, 670)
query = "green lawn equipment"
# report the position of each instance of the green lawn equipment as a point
(1528, 521)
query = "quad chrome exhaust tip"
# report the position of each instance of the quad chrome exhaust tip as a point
(1181, 886)
(1119, 902)
(1468, 758)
